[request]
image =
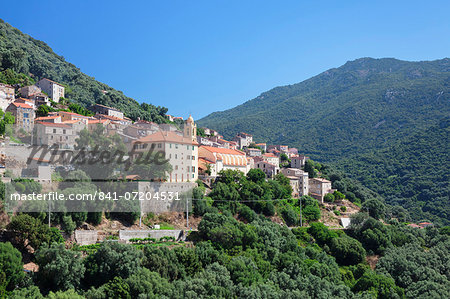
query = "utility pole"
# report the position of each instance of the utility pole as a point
(187, 213)
(301, 223)
(49, 214)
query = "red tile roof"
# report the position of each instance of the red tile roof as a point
(167, 137)
(52, 81)
(22, 105)
(24, 99)
(110, 117)
(97, 121)
(220, 150)
(45, 118)
(73, 114)
(57, 125)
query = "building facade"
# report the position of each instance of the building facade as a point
(223, 158)
(319, 187)
(180, 149)
(105, 110)
(243, 139)
(298, 161)
(49, 134)
(24, 115)
(54, 90)
(269, 169)
(6, 96)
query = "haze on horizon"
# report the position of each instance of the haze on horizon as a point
(197, 58)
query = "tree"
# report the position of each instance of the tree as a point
(164, 262)
(321, 233)
(347, 251)
(338, 195)
(31, 292)
(290, 216)
(69, 294)
(148, 283)
(43, 110)
(110, 260)
(284, 182)
(256, 175)
(371, 233)
(243, 271)
(329, 197)
(117, 288)
(189, 260)
(11, 266)
(28, 230)
(375, 208)
(381, 286)
(59, 268)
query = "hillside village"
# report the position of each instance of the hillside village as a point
(194, 154)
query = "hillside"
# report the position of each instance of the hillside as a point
(25, 59)
(362, 105)
(376, 118)
(413, 172)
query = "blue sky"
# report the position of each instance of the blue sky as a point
(197, 57)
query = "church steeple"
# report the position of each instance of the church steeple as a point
(190, 129)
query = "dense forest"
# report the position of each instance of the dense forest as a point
(366, 117)
(239, 252)
(24, 60)
(413, 172)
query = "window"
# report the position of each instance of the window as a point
(192, 147)
(176, 167)
(176, 145)
(187, 147)
(159, 145)
(64, 131)
(170, 145)
(193, 157)
(193, 168)
(188, 157)
(176, 156)
(54, 131)
(193, 175)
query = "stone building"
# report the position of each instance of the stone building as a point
(24, 115)
(6, 96)
(54, 90)
(180, 148)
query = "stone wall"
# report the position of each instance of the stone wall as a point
(154, 233)
(86, 237)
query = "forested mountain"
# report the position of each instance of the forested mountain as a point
(24, 59)
(413, 172)
(375, 113)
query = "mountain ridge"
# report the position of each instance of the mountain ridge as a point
(351, 114)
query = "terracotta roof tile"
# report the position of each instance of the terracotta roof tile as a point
(57, 125)
(167, 137)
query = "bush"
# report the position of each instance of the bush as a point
(290, 216)
(329, 197)
(10, 266)
(68, 224)
(347, 251)
(246, 213)
(110, 260)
